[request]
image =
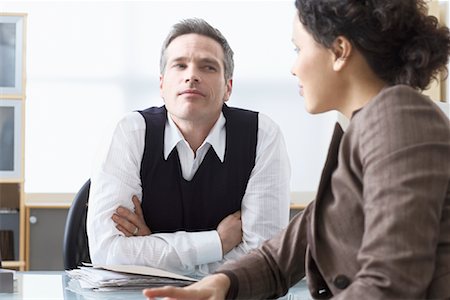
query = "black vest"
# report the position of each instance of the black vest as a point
(169, 202)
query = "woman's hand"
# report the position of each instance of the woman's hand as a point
(213, 287)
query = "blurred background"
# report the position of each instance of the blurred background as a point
(89, 62)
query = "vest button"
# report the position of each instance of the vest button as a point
(341, 282)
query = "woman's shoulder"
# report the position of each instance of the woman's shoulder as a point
(402, 92)
(402, 103)
(400, 115)
(398, 96)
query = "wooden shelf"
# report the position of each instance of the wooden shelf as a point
(3, 180)
(49, 200)
(297, 206)
(13, 264)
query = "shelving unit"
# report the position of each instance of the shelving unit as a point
(12, 138)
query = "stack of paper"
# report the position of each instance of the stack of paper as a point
(125, 277)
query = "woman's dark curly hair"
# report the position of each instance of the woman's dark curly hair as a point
(401, 43)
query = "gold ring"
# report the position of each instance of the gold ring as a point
(135, 231)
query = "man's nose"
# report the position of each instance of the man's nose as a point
(192, 76)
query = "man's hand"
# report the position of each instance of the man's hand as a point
(230, 231)
(214, 287)
(131, 223)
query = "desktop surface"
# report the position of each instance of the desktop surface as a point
(54, 285)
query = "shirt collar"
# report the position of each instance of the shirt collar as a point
(216, 137)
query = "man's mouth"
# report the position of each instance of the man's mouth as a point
(191, 91)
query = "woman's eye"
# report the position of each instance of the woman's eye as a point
(297, 50)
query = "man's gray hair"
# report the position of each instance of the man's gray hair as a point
(201, 27)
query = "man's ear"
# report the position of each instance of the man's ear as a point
(342, 49)
(161, 81)
(228, 91)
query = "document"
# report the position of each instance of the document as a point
(125, 277)
(144, 270)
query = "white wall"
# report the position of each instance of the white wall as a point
(89, 62)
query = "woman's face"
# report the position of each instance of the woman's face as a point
(318, 82)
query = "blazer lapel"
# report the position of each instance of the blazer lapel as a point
(330, 166)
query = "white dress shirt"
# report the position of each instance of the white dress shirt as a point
(116, 178)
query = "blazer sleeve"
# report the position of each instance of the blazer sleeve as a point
(404, 145)
(269, 271)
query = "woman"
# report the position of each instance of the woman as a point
(380, 225)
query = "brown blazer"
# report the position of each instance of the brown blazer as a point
(380, 225)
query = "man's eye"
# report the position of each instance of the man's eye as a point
(210, 68)
(179, 66)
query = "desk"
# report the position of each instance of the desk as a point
(53, 285)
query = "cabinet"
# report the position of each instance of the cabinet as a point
(12, 128)
(45, 215)
(45, 232)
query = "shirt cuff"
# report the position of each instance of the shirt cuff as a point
(209, 246)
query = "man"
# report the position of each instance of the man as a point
(208, 182)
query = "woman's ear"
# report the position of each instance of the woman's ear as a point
(342, 49)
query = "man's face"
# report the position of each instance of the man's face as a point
(193, 85)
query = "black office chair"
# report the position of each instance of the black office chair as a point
(75, 244)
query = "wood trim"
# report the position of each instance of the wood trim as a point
(13, 264)
(24, 69)
(22, 241)
(11, 96)
(12, 180)
(56, 200)
(297, 206)
(13, 14)
(50, 205)
(26, 241)
(436, 90)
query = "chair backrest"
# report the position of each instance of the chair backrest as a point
(75, 243)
